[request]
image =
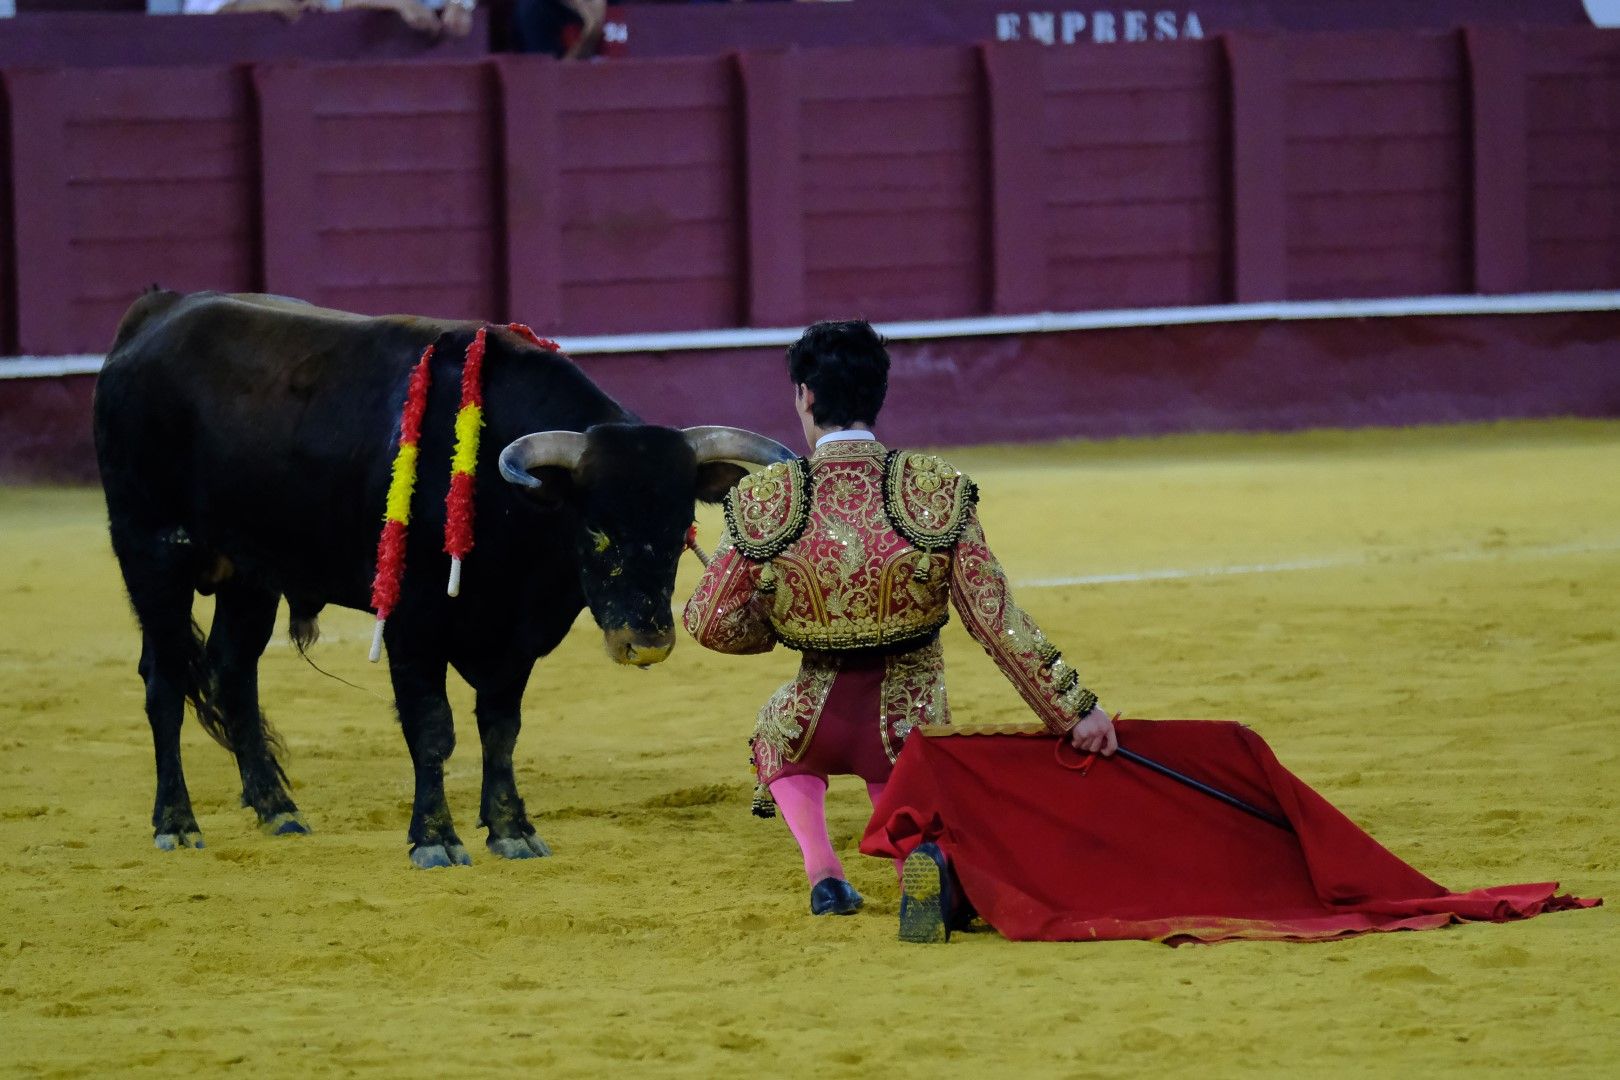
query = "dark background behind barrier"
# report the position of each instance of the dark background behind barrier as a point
(770, 188)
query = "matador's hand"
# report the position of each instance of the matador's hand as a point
(1094, 734)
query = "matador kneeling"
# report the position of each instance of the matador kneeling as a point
(854, 557)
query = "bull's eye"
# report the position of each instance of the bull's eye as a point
(600, 540)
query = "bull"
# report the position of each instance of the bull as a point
(244, 443)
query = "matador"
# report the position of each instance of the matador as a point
(854, 557)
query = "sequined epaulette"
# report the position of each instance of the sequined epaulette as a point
(926, 499)
(768, 510)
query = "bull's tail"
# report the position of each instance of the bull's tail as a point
(303, 626)
(202, 689)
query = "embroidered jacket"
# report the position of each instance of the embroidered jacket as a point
(863, 548)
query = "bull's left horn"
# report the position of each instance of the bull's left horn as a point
(735, 444)
(543, 448)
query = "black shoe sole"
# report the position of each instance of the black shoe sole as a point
(846, 909)
(922, 901)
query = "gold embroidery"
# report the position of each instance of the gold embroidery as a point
(926, 499)
(787, 722)
(913, 695)
(722, 613)
(768, 510)
(851, 581)
(1006, 632)
(850, 634)
(847, 448)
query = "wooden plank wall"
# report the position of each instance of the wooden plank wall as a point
(122, 179)
(1572, 107)
(772, 188)
(1135, 185)
(892, 184)
(8, 244)
(1376, 164)
(380, 186)
(649, 206)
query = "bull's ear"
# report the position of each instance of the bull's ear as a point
(554, 486)
(715, 478)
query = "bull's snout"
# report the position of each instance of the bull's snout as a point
(638, 648)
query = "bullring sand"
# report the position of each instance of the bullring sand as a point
(1424, 627)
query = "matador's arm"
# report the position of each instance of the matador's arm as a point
(1031, 663)
(727, 612)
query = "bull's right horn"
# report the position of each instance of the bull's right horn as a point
(735, 444)
(554, 448)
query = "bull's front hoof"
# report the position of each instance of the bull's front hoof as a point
(168, 841)
(431, 856)
(519, 847)
(287, 824)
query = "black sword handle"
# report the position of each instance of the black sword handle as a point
(1198, 785)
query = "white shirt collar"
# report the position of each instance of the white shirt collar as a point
(845, 436)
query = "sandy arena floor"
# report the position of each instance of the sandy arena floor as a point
(1429, 635)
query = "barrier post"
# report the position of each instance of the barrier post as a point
(1500, 165)
(41, 235)
(1257, 130)
(289, 242)
(531, 189)
(773, 202)
(1015, 87)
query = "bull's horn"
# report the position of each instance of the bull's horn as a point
(735, 444)
(560, 448)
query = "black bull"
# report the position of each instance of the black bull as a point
(245, 444)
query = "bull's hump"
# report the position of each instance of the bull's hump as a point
(306, 312)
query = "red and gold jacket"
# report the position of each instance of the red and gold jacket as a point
(864, 548)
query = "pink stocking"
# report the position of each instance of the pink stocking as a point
(802, 800)
(876, 792)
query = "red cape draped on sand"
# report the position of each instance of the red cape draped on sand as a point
(1046, 854)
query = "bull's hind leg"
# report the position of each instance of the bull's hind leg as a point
(424, 717)
(501, 808)
(158, 578)
(244, 619)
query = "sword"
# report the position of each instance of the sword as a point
(1129, 755)
(1198, 785)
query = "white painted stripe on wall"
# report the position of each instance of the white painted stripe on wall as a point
(1382, 558)
(26, 367)
(49, 367)
(1059, 322)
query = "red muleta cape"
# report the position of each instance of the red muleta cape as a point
(1046, 854)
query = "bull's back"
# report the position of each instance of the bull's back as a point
(264, 366)
(261, 426)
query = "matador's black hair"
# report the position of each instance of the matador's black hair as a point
(846, 365)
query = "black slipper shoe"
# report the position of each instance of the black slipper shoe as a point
(834, 896)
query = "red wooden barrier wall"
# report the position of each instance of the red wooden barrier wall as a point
(380, 186)
(1572, 109)
(1134, 177)
(772, 188)
(122, 179)
(648, 220)
(891, 182)
(1376, 168)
